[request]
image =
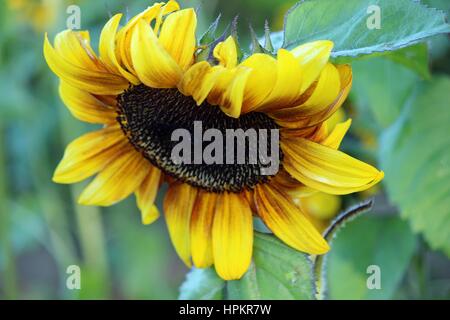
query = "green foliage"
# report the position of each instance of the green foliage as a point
(381, 88)
(415, 155)
(320, 262)
(202, 284)
(137, 251)
(277, 272)
(210, 35)
(403, 23)
(276, 38)
(383, 241)
(414, 57)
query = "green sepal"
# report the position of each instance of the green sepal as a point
(210, 35)
(234, 34)
(256, 46)
(268, 46)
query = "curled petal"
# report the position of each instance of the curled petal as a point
(260, 81)
(226, 53)
(198, 81)
(153, 64)
(313, 57)
(334, 139)
(156, 11)
(146, 195)
(82, 76)
(178, 36)
(107, 48)
(228, 90)
(297, 119)
(326, 169)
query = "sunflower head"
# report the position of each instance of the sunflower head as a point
(149, 80)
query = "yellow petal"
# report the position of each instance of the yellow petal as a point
(287, 83)
(121, 177)
(125, 34)
(336, 136)
(228, 90)
(337, 117)
(169, 7)
(232, 236)
(313, 57)
(85, 106)
(287, 222)
(107, 48)
(123, 49)
(201, 229)
(75, 47)
(153, 65)
(322, 95)
(80, 76)
(291, 186)
(346, 79)
(89, 154)
(295, 118)
(178, 36)
(260, 81)
(325, 92)
(326, 169)
(178, 205)
(198, 81)
(226, 53)
(297, 70)
(146, 195)
(150, 215)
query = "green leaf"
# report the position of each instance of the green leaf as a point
(403, 23)
(439, 4)
(277, 272)
(336, 225)
(381, 87)
(414, 57)
(415, 154)
(202, 284)
(382, 241)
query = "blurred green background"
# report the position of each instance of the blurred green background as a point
(43, 230)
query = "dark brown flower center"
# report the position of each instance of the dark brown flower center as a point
(149, 117)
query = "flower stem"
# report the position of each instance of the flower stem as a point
(95, 271)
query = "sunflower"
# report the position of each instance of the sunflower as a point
(148, 80)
